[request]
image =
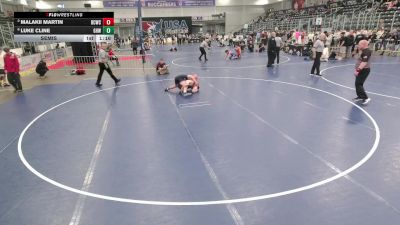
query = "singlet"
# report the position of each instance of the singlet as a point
(180, 78)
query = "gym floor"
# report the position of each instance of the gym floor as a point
(256, 146)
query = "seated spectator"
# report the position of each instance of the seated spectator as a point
(261, 47)
(41, 69)
(112, 56)
(162, 67)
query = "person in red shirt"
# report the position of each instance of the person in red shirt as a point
(11, 68)
(162, 67)
(113, 56)
(238, 51)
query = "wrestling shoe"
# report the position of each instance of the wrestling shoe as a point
(118, 81)
(365, 101)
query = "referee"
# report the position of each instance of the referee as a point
(103, 58)
(202, 49)
(319, 48)
(271, 49)
(362, 71)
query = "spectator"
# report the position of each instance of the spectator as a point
(261, 47)
(342, 47)
(359, 37)
(279, 45)
(41, 69)
(11, 67)
(349, 42)
(3, 75)
(112, 56)
(134, 45)
(162, 67)
(238, 50)
(250, 46)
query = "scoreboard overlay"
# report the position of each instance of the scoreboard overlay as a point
(64, 26)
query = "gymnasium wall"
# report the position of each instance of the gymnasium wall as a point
(237, 13)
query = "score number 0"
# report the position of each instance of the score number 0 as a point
(108, 21)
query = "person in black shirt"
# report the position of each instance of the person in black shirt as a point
(250, 45)
(134, 45)
(359, 37)
(41, 69)
(271, 49)
(372, 38)
(362, 71)
(348, 42)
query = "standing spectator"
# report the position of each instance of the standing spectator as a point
(384, 40)
(3, 75)
(264, 38)
(342, 47)
(103, 65)
(373, 39)
(349, 42)
(318, 48)
(11, 67)
(134, 45)
(271, 49)
(250, 45)
(238, 51)
(179, 39)
(279, 45)
(329, 40)
(359, 37)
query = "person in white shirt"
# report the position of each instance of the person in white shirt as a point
(329, 40)
(103, 64)
(279, 45)
(3, 77)
(319, 48)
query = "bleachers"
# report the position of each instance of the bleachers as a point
(7, 31)
(337, 16)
